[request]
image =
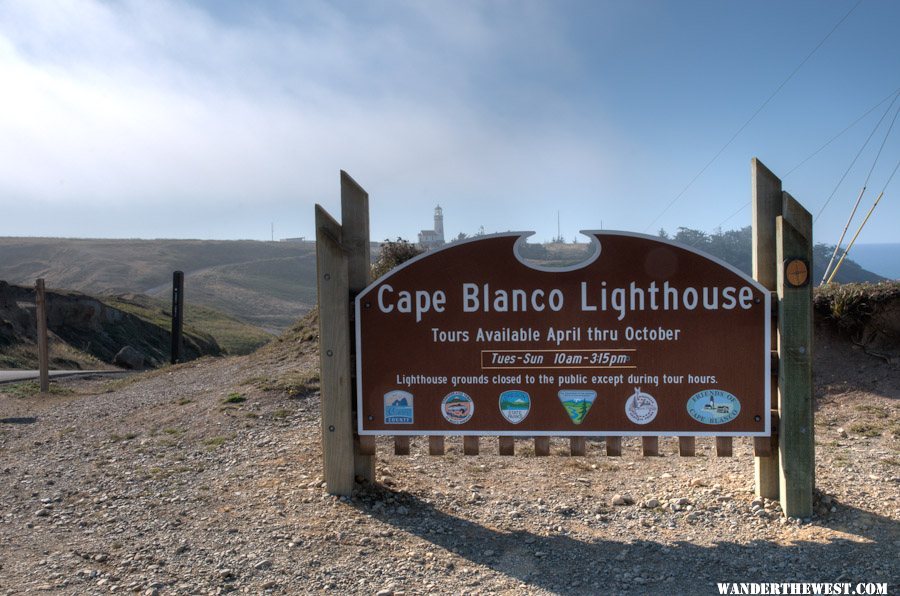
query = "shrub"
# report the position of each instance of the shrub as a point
(393, 253)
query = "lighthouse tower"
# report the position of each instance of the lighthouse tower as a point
(439, 223)
(429, 239)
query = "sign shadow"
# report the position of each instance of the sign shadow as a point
(618, 564)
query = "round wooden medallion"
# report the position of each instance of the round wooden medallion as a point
(796, 272)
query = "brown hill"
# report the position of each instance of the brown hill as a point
(267, 284)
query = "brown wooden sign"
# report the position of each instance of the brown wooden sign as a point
(646, 338)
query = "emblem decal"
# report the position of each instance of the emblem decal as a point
(577, 402)
(515, 405)
(713, 406)
(641, 408)
(398, 407)
(457, 407)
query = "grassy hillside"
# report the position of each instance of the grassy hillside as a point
(234, 336)
(266, 284)
(82, 326)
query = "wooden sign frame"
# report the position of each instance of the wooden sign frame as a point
(785, 462)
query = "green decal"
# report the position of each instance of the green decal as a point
(577, 402)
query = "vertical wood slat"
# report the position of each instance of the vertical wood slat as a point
(401, 445)
(767, 205)
(435, 445)
(355, 242)
(796, 443)
(650, 446)
(334, 356)
(766, 446)
(470, 445)
(542, 446)
(577, 446)
(40, 310)
(687, 446)
(507, 445)
(614, 446)
(724, 447)
(366, 445)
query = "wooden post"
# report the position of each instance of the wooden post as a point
(40, 303)
(401, 445)
(796, 447)
(767, 203)
(334, 356)
(355, 241)
(577, 446)
(177, 314)
(435, 445)
(614, 446)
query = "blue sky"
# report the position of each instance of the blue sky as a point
(215, 119)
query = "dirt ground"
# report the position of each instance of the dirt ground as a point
(205, 478)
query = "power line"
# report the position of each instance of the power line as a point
(883, 141)
(852, 163)
(862, 225)
(817, 151)
(835, 137)
(752, 117)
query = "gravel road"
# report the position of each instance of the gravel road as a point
(195, 479)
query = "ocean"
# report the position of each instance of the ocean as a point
(883, 259)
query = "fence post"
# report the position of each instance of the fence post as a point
(177, 314)
(334, 355)
(355, 241)
(40, 303)
(796, 431)
(767, 203)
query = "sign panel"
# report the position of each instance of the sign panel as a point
(647, 337)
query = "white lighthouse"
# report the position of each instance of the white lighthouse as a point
(439, 223)
(429, 239)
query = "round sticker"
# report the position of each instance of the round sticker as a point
(713, 406)
(641, 408)
(457, 407)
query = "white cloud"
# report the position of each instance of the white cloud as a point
(152, 103)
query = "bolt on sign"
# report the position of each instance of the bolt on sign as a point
(647, 337)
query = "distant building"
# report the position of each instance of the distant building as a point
(429, 239)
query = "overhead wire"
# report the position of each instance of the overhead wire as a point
(866, 219)
(819, 150)
(835, 137)
(853, 162)
(753, 116)
(862, 191)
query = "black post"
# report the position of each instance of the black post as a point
(177, 314)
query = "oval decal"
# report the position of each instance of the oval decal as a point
(713, 406)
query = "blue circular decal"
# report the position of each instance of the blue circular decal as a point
(713, 406)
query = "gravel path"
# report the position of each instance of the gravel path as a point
(196, 480)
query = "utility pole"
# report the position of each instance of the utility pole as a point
(177, 314)
(40, 302)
